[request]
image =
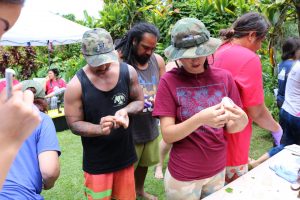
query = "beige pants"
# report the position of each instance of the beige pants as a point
(192, 190)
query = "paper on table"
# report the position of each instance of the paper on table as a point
(287, 169)
(295, 148)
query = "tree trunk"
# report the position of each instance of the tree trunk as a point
(297, 6)
(277, 34)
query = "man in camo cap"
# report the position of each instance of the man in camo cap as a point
(98, 101)
(98, 48)
(192, 116)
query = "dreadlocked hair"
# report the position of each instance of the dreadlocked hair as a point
(135, 33)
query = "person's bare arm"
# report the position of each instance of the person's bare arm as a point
(75, 116)
(49, 166)
(18, 119)
(161, 65)
(263, 118)
(59, 91)
(136, 93)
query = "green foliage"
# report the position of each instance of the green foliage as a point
(73, 65)
(22, 60)
(261, 142)
(89, 21)
(70, 17)
(118, 16)
(270, 83)
(280, 14)
(32, 62)
(66, 58)
(290, 29)
(229, 190)
(216, 15)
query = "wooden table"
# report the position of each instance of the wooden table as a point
(261, 183)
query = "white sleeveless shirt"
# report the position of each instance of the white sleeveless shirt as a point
(292, 91)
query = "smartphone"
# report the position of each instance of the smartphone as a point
(9, 83)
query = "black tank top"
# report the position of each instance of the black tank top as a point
(116, 151)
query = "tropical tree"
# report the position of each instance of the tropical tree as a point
(297, 6)
(280, 14)
(118, 16)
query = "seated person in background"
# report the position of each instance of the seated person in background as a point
(3, 82)
(54, 87)
(54, 81)
(36, 165)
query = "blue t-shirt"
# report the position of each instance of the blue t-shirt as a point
(24, 180)
(283, 71)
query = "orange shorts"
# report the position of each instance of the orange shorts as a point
(117, 185)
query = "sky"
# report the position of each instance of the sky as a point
(75, 7)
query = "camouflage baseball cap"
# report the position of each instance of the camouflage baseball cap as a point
(40, 92)
(98, 47)
(190, 39)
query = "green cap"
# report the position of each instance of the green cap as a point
(98, 47)
(190, 39)
(40, 92)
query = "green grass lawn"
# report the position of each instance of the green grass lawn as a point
(69, 186)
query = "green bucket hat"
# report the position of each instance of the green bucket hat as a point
(40, 92)
(190, 39)
(98, 47)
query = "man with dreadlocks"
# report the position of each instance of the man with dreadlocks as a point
(137, 49)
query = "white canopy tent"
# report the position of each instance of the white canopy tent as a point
(38, 28)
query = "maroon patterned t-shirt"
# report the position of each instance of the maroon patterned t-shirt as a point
(180, 94)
